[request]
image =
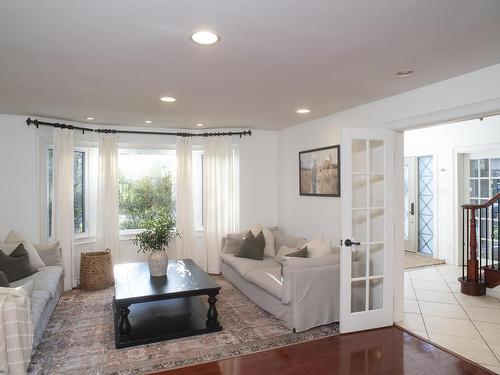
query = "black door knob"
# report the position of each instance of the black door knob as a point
(349, 243)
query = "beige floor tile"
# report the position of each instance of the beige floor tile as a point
(451, 278)
(412, 322)
(495, 347)
(454, 287)
(482, 301)
(483, 314)
(425, 274)
(449, 269)
(489, 331)
(495, 369)
(474, 349)
(431, 285)
(411, 306)
(435, 296)
(451, 327)
(446, 310)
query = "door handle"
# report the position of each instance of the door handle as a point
(412, 208)
(349, 243)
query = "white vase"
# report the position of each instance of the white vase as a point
(158, 263)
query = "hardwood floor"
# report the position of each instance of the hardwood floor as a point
(383, 351)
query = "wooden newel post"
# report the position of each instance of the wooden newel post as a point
(472, 263)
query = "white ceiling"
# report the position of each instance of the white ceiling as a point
(113, 59)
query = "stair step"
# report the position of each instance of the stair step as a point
(492, 276)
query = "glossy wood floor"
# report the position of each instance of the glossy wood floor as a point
(383, 351)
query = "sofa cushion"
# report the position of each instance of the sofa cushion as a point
(39, 300)
(268, 279)
(281, 239)
(50, 253)
(47, 279)
(252, 247)
(318, 248)
(233, 242)
(15, 238)
(17, 265)
(243, 265)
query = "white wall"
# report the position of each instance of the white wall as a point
(19, 178)
(443, 142)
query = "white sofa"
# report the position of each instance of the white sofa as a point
(306, 296)
(47, 288)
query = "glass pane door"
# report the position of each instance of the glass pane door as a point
(366, 254)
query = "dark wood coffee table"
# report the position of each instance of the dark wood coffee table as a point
(150, 309)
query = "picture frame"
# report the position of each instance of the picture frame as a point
(319, 172)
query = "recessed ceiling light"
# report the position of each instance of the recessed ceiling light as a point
(167, 99)
(205, 37)
(199, 125)
(404, 74)
(148, 121)
(303, 111)
(89, 118)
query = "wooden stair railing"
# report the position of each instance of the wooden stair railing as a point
(479, 241)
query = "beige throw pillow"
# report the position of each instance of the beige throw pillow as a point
(269, 250)
(16, 238)
(318, 248)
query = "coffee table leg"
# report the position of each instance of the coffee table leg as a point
(212, 314)
(124, 326)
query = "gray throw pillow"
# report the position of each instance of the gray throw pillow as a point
(4, 283)
(301, 253)
(252, 247)
(17, 265)
(233, 242)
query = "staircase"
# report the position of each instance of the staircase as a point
(480, 245)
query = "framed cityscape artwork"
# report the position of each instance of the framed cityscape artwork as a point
(319, 172)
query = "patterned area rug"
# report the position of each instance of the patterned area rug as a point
(416, 260)
(80, 337)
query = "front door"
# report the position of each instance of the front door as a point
(366, 261)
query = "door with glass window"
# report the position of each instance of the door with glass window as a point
(366, 276)
(410, 205)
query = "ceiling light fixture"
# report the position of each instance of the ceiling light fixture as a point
(205, 37)
(167, 99)
(199, 125)
(303, 111)
(89, 118)
(148, 121)
(404, 73)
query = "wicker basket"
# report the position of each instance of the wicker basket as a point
(96, 270)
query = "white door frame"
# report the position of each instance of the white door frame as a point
(367, 319)
(412, 243)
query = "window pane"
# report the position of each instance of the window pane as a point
(495, 186)
(474, 168)
(50, 187)
(474, 188)
(495, 167)
(485, 188)
(146, 186)
(484, 167)
(79, 191)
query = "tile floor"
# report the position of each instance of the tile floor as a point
(435, 309)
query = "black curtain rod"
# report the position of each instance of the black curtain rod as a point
(38, 123)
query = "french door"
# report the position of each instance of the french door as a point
(366, 260)
(410, 214)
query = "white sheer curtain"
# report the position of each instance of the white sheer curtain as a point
(220, 196)
(63, 211)
(108, 235)
(184, 200)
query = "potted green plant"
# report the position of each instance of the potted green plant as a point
(159, 231)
